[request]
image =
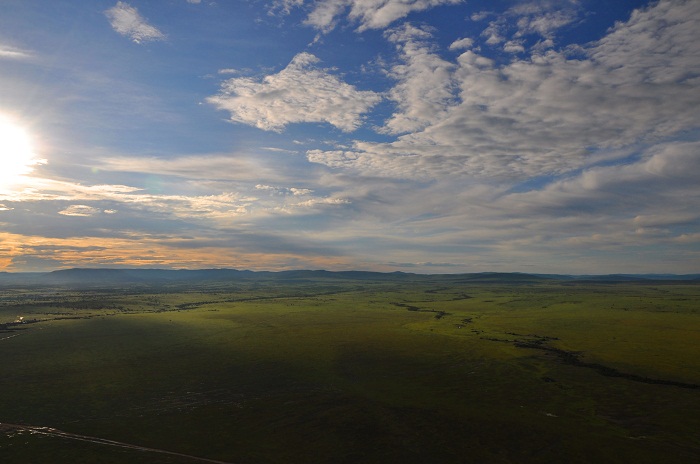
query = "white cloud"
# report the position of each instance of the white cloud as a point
(302, 92)
(378, 14)
(462, 44)
(300, 191)
(544, 17)
(294, 191)
(549, 114)
(211, 191)
(665, 173)
(608, 209)
(484, 164)
(540, 18)
(494, 32)
(194, 1)
(424, 89)
(654, 46)
(80, 210)
(200, 167)
(480, 15)
(211, 207)
(321, 201)
(513, 46)
(368, 14)
(13, 53)
(284, 6)
(127, 21)
(632, 204)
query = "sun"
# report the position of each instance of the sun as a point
(17, 156)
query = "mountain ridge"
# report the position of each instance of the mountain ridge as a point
(95, 277)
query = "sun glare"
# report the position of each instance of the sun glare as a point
(17, 156)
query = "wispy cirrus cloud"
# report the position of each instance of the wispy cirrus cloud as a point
(127, 21)
(301, 92)
(193, 167)
(283, 7)
(214, 190)
(14, 53)
(80, 210)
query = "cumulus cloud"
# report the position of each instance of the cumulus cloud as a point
(367, 14)
(549, 113)
(460, 44)
(127, 21)
(302, 92)
(424, 89)
(655, 47)
(514, 46)
(544, 17)
(534, 18)
(300, 191)
(494, 32)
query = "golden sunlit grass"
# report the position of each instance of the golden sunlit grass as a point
(17, 156)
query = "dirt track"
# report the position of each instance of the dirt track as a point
(48, 431)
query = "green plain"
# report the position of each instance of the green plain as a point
(355, 372)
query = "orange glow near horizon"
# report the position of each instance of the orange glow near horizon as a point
(48, 253)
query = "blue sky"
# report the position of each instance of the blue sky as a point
(435, 136)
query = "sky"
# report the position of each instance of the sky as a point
(426, 136)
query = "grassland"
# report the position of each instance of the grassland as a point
(352, 371)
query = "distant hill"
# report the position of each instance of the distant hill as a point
(106, 277)
(512, 277)
(637, 277)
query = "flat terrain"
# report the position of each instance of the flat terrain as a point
(352, 371)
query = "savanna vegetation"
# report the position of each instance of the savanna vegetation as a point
(352, 371)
